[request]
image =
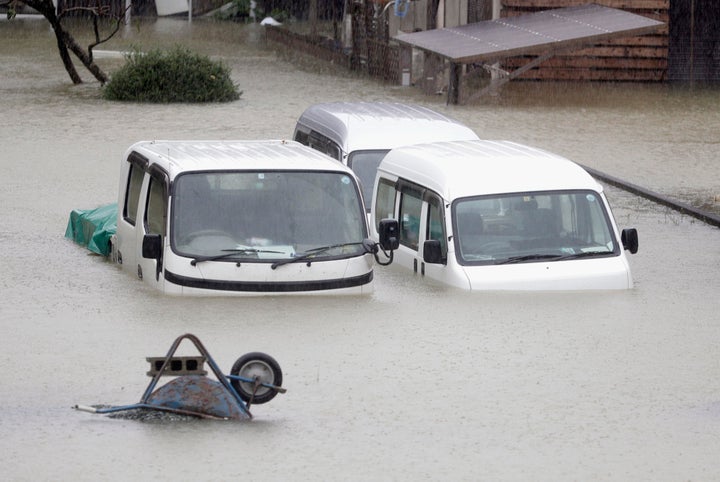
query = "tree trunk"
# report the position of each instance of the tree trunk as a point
(66, 43)
(84, 58)
(65, 55)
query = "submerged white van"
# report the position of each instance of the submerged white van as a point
(241, 217)
(496, 215)
(359, 134)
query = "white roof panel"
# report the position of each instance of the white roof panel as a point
(177, 156)
(469, 168)
(381, 125)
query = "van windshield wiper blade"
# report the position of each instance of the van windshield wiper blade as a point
(586, 254)
(528, 257)
(314, 252)
(558, 257)
(230, 252)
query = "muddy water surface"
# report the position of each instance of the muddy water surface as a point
(414, 382)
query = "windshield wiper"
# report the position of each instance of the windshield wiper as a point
(230, 252)
(558, 257)
(528, 257)
(314, 252)
(586, 254)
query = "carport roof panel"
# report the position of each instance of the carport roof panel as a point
(534, 33)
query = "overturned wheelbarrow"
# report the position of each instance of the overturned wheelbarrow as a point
(255, 378)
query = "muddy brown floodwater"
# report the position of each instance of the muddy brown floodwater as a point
(414, 382)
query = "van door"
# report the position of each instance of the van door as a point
(154, 221)
(434, 226)
(410, 216)
(422, 216)
(129, 213)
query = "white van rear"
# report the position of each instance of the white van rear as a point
(359, 134)
(496, 215)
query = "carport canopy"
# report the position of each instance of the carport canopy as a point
(542, 33)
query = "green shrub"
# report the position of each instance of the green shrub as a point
(177, 75)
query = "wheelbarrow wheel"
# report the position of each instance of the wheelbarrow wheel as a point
(256, 365)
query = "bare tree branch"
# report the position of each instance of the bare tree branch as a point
(97, 13)
(67, 43)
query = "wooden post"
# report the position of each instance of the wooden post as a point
(313, 17)
(454, 83)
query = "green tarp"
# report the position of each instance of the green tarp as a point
(93, 228)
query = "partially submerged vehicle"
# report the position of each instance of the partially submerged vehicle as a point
(240, 217)
(359, 134)
(496, 215)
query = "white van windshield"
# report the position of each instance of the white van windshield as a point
(365, 164)
(532, 227)
(267, 215)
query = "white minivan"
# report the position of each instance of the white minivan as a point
(359, 134)
(496, 215)
(241, 217)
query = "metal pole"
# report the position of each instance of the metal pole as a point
(496, 8)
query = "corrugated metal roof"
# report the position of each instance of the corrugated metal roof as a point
(535, 33)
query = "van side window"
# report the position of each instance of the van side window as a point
(301, 137)
(385, 201)
(436, 223)
(132, 193)
(328, 147)
(156, 210)
(320, 143)
(410, 208)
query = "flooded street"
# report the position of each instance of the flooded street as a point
(414, 382)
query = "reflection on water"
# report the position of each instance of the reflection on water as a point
(416, 381)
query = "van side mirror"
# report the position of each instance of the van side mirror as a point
(388, 230)
(432, 252)
(152, 246)
(629, 238)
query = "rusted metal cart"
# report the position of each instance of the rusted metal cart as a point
(255, 378)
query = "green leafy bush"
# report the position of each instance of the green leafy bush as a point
(177, 75)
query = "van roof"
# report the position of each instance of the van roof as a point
(181, 156)
(471, 168)
(381, 125)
